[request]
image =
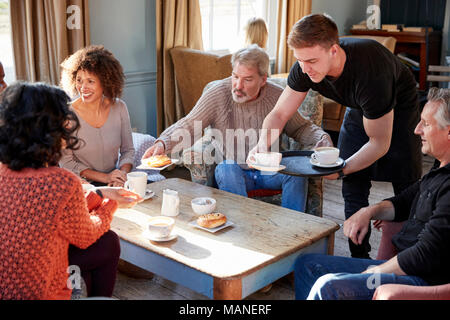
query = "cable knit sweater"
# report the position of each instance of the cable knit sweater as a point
(216, 108)
(42, 211)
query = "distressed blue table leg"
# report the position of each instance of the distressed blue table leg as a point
(216, 288)
(227, 289)
(167, 268)
(272, 272)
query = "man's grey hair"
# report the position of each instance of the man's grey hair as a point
(441, 96)
(252, 56)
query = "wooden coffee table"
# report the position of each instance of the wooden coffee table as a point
(258, 249)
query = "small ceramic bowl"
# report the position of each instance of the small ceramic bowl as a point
(203, 205)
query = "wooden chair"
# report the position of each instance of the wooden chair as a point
(194, 69)
(436, 76)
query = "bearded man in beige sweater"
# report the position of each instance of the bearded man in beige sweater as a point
(234, 108)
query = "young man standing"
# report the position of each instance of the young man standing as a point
(377, 136)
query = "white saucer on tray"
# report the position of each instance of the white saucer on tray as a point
(146, 235)
(338, 163)
(266, 168)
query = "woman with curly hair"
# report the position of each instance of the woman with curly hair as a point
(46, 222)
(96, 77)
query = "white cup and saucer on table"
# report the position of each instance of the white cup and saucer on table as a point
(267, 161)
(137, 182)
(160, 229)
(326, 157)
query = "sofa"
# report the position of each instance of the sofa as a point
(194, 69)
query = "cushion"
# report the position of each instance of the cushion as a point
(388, 42)
(312, 106)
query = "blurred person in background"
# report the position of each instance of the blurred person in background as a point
(3, 84)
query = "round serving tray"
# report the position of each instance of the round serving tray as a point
(298, 164)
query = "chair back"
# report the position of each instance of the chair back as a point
(439, 74)
(194, 69)
(388, 42)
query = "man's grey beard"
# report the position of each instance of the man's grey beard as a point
(239, 99)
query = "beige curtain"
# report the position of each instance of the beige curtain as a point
(178, 23)
(289, 12)
(44, 33)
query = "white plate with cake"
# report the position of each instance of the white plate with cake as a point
(159, 162)
(211, 222)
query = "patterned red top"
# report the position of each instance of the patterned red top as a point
(42, 211)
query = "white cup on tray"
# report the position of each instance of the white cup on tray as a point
(325, 155)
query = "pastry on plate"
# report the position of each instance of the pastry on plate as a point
(211, 220)
(157, 161)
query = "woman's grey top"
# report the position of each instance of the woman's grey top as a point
(102, 149)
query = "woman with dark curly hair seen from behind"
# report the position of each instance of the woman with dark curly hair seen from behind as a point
(46, 222)
(96, 76)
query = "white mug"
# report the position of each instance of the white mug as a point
(326, 155)
(170, 203)
(136, 182)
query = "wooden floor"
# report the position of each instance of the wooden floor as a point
(130, 288)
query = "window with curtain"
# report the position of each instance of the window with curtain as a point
(6, 51)
(223, 23)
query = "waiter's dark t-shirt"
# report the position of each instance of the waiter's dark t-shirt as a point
(373, 82)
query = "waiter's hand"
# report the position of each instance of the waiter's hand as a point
(325, 141)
